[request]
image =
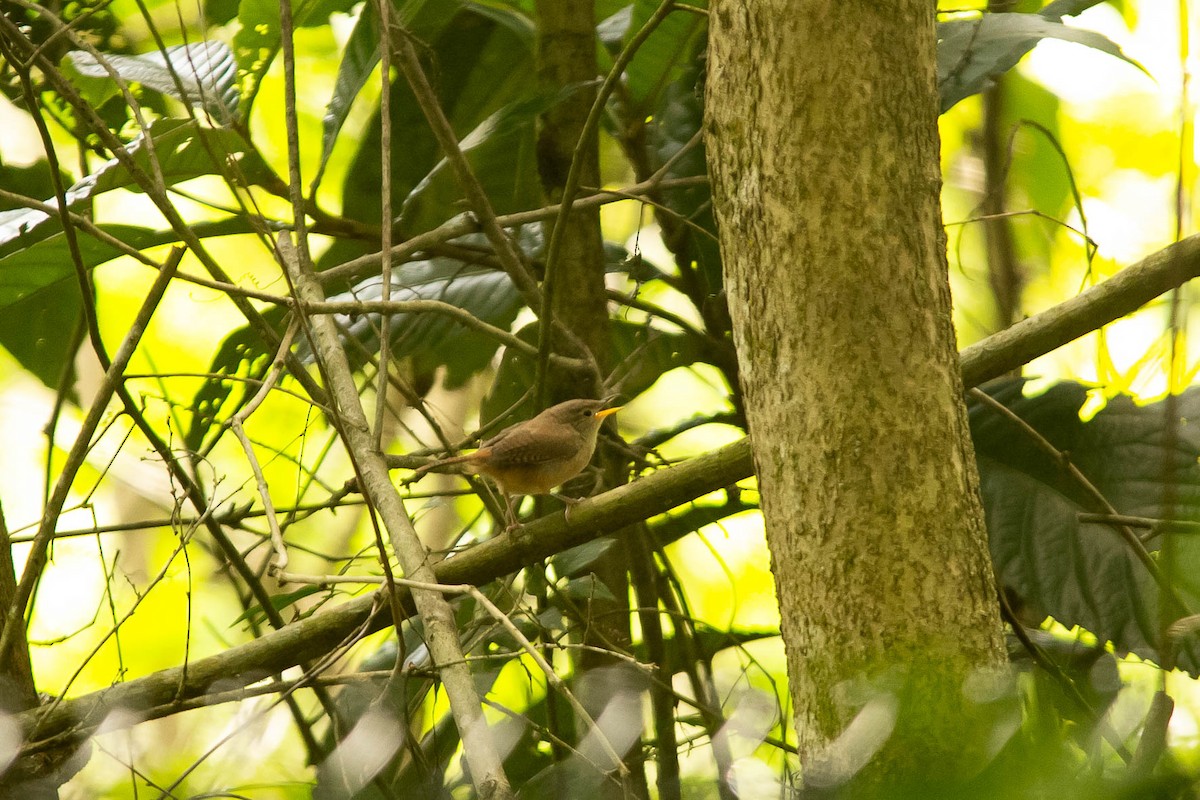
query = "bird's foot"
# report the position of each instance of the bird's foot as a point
(570, 503)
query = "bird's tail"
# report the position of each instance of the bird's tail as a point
(444, 462)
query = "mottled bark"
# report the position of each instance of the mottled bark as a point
(823, 148)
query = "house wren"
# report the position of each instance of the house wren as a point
(534, 456)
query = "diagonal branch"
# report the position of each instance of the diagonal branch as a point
(441, 633)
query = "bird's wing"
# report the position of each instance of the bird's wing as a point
(519, 451)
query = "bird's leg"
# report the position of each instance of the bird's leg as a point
(510, 514)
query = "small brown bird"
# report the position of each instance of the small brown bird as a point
(534, 456)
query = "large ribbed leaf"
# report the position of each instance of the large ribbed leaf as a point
(481, 66)
(670, 51)
(1085, 574)
(490, 148)
(201, 74)
(422, 18)
(258, 37)
(642, 353)
(432, 339)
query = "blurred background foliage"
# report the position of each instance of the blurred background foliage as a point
(1062, 164)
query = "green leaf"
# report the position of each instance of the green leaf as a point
(258, 37)
(36, 330)
(31, 181)
(571, 562)
(184, 150)
(972, 52)
(587, 587)
(1085, 574)
(278, 602)
(489, 147)
(1067, 8)
(521, 24)
(691, 231)
(672, 50)
(612, 30)
(31, 269)
(421, 17)
(39, 292)
(242, 355)
(1037, 176)
(201, 74)
(481, 66)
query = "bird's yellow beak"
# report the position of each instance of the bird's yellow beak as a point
(608, 411)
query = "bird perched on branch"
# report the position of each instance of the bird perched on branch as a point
(534, 456)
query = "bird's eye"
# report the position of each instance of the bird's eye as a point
(587, 412)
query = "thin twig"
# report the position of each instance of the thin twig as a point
(553, 680)
(236, 422)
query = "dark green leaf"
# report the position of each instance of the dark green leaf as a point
(278, 602)
(1037, 176)
(490, 147)
(1085, 574)
(29, 270)
(587, 587)
(690, 231)
(431, 339)
(521, 24)
(31, 181)
(39, 291)
(1067, 8)
(573, 561)
(643, 355)
(241, 358)
(972, 52)
(612, 30)
(421, 17)
(36, 330)
(670, 51)
(477, 66)
(258, 36)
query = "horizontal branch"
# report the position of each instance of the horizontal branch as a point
(653, 494)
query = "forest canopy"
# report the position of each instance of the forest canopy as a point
(264, 265)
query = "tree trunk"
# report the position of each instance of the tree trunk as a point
(823, 147)
(566, 56)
